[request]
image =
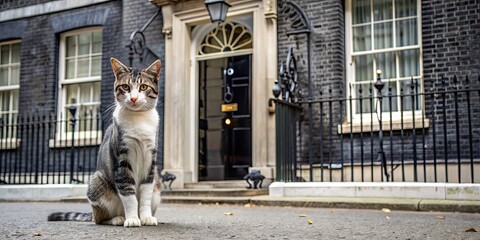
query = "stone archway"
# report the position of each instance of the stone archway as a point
(183, 25)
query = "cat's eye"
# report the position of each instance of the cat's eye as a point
(143, 87)
(126, 87)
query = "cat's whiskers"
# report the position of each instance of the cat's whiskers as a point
(108, 112)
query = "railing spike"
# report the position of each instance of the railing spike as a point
(455, 81)
(412, 84)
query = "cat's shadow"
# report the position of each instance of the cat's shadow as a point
(164, 226)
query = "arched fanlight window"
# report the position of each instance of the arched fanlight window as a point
(227, 37)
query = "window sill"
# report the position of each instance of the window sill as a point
(387, 125)
(83, 139)
(10, 143)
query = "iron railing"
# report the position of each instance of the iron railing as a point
(41, 149)
(433, 137)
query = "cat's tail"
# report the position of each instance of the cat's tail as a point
(70, 216)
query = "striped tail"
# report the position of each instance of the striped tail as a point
(70, 216)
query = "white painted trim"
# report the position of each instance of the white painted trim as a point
(10, 143)
(11, 109)
(350, 68)
(82, 138)
(44, 8)
(181, 87)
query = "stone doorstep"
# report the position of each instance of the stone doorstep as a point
(214, 192)
(400, 190)
(207, 200)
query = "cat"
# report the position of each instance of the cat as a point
(125, 188)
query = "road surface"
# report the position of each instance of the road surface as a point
(29, 221)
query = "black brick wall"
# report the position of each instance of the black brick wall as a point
(451, 46)
(40, 36)
(135, 15)
(451, 50)
(11, 4)
(451, 39)
(327, 62)
(40, 39)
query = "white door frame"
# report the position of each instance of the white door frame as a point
(181, 85)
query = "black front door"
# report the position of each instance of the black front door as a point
(225, 145)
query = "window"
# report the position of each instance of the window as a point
(79, 82)
(385, 35)
(227, 37)
(9, 86)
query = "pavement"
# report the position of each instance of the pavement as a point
(28, 220)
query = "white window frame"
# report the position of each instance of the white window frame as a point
(63, 138)
(409, 118)
(11, 142)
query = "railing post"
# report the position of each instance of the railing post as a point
(3, 161)
(72, 110)
(381, 154)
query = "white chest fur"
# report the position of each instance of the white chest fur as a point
(141, 125)
(139, 133)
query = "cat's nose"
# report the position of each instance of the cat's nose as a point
(133, 99)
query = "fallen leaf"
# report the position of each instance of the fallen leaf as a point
(385, 210)
(441, 217)
(248, 205)
(309, 221)
(471, 230)
(228, 213)
(302, 215)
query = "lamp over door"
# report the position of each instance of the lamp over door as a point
(217, 9)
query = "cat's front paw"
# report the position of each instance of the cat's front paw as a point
(132, 222)
(149, 221)
(118, 221)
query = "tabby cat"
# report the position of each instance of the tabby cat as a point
(125, 188)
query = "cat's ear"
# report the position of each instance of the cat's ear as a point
(154, 69)
(118, 67)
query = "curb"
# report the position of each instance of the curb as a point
(370, 203)
(349, 203)
(449, 206)
(424, 205)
